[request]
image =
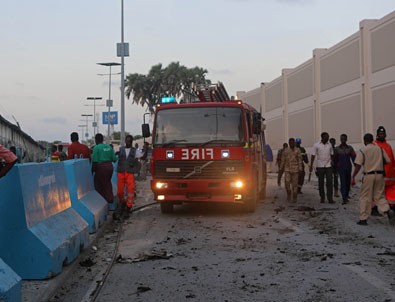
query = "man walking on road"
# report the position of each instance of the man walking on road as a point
(102, 158)
(278, 161)
(372, 158)
(334, 170)
(389, 168)
(128, 165)
(324, 152)
(291, 164)
(344, 156)
(305, 159)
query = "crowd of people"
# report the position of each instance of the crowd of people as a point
(131, 165)
(334, 163)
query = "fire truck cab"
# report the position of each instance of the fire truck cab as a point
(207, 151)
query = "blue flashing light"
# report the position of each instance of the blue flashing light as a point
(167, 100)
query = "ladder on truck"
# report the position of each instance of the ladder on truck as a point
(213, 93)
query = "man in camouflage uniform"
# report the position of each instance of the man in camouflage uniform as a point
(291, 164)
(305, 159)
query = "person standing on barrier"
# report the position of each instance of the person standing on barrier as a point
(76, 149)
(344, 156)
(102, 158)
(7, 160)
(278, 162)
(305, 159)
(372, 158)
(128, 165)
(324, 153)
(291, 164)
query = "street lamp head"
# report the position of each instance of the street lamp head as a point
(94, 98)
(109, 64)
(86, 114)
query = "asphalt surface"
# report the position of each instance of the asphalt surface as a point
(44, 290)
(284, 252)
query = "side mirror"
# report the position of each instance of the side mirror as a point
(257, 123)
(145, 130)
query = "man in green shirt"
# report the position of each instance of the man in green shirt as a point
(102, 158)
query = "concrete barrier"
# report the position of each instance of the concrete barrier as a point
(10, 284)
(84, 199)
(39, 230)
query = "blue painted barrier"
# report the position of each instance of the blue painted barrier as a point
(84, 199)
(10, 284)
(39, 230)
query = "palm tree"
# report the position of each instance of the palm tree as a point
(175, 80)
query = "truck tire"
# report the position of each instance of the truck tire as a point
(250, 203)
(166, 207)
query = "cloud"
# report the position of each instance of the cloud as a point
(220, 71)
(295, 1)
(20, 84)
(55, 120)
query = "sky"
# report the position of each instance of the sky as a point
(50, 49)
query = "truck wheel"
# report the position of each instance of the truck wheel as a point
(166, 207)
(250, 204)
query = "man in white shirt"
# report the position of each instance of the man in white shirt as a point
(324, 152)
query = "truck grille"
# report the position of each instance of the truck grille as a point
(198, 169)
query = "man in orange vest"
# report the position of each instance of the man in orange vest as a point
(389, 167)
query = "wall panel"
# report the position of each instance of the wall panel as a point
(343, 116)
(384, 109)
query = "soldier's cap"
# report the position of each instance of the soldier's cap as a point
(298, 140)
(380, 129)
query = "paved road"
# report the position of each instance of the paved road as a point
(284, 252)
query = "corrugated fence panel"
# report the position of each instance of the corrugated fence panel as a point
(343, 116)
(384, 109)
(300, 84)
(300, 126)
(341, 65)
(383, 46)
(274, 96)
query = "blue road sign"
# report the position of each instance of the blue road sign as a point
(113, 120)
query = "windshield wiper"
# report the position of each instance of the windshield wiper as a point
(173, 142)
(218, 141)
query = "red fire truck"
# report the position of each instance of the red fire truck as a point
(212, 150)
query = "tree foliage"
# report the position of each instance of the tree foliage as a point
(173, 80)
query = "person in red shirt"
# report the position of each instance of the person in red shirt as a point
(7, 159)
(389, 168)
(76, 149)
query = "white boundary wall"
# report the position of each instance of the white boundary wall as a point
(348, 88)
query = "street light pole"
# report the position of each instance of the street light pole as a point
(87, 126)
(109, 101)
(122, 81)
(82, 131)
(94, 112)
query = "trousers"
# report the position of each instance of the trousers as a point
(126, 181)
(372, 189)
(291, 185)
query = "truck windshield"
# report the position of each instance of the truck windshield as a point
(199, 126)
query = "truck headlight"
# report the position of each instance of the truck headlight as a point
(161, 185)
(170, 154)
(225, 153)
(237, 184)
